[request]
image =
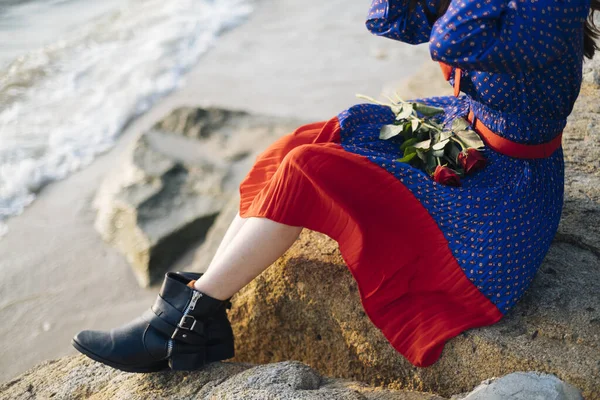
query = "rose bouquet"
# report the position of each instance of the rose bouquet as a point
(446, 155)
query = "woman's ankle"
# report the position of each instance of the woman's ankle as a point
(199, 286)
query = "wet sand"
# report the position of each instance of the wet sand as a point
(300, 59)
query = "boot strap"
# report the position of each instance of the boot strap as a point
(171, 322)
(174, 332)
(176, 318)
(188, 329)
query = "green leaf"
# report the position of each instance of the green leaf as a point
(423, 135)
(445, 135)
(425, 144)
(407, 110)
(395, 108)
(438, 153)
(458, 142)
(427, 111)
(471, 139)
(407, 130)
(453, 151)
(460, 124)
(390, 131)
(421, 154)
(408, 157)
(439, 127)
(440, 145)
(430, 162)
(415, 124)
(423, 130)
(408, 142)
(409, 150)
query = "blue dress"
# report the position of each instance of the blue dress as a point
(432, 260)
(522, 71)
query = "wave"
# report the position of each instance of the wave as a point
(64, 104)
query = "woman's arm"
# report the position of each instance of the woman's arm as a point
(507, 36)
(392, 19)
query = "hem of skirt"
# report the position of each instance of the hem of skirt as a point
(410, 284)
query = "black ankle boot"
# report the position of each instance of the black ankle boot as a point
(184, 330)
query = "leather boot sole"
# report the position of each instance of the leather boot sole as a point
(218, 352)
(161, 365)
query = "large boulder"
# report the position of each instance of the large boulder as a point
(166, 193)
(524, 386)
(591, 68)
(78, 377)
(580, 223)
(306, 305)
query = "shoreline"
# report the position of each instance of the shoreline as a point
(288, 60)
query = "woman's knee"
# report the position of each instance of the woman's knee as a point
(299, 155)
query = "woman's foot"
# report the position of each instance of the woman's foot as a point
(184, 330)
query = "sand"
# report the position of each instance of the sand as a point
(303, 59)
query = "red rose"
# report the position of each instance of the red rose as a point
(472, 160)
(446, 176)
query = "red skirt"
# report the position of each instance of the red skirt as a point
(410, 285)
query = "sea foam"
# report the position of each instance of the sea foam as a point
(66, 103)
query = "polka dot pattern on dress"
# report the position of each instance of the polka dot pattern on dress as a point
(522, 65)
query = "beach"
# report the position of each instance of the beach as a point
(291, 59)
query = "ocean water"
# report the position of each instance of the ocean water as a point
(74, 72)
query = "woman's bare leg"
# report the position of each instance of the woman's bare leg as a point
(231, 232)
(258, 244)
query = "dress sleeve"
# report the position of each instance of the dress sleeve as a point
(506, 36)
(392, 19)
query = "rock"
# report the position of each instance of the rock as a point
(524, 386)
(580, 223)
(591, 68)
(162, 198)
(208, 249)
(428, 82)
(78, 377)
(306, 306)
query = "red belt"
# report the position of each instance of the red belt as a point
(497, 142)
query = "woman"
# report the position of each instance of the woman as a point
(431, 260)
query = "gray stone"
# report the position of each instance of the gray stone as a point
(78, 377)
(591, 68)
(208, 249)
(525, 386)
(162, 198)
(580, 220)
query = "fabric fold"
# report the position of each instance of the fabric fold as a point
(410, 284)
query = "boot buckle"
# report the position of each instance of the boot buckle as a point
(187, 322)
